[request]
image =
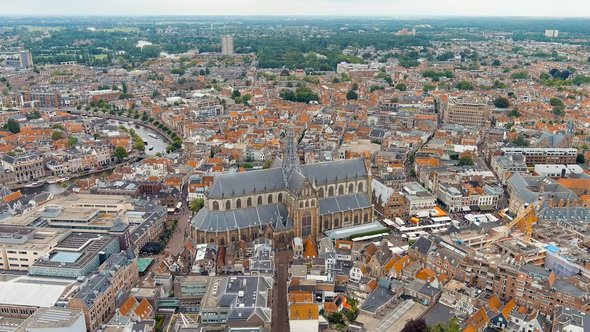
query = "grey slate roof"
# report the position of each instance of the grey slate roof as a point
(343, 203)
(247, 183)
(422, 245)
(275, 215)
(269, 180)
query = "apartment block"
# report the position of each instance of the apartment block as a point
(467, 111)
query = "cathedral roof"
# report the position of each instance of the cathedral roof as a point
(272, 179)
(343, 203)
(275, 215)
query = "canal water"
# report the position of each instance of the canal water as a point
(158, 143)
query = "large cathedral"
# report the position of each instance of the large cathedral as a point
(285, 201)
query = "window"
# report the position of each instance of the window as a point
(269, 198)
(228, 205)
(321, 193)
(326, 224)
(306, 225)
(280, 199)
(350, 188)
(238, 203)
(259, 201)
(330, 191)
(249, 201)
(313, 203)
(340, 190)
(336, 222)
(356, 219)
(360, 187)
(215, 206)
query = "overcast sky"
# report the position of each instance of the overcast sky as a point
(551, 8)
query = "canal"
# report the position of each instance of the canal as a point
(156, 141)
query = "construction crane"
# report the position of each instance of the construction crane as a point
(523, 221)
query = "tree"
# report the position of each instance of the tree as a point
(33, 115)
(57, 135)
(555, 101)
(120, 153)
(465, 85)
(352, 95)
(465, 161)
(520, 75)
(355, 87)
(12, 126)
(415, 325)
(401, 86)
(196, 205)
(514, 113)
(520, 141)
(124, 88)
(496, 63)
(580, 159)
(501, 102)
(235, 94)
(428, 87)
(72, 141)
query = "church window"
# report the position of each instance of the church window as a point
(259, 200)
(313, 203)
(249, 201)
(238, 203)
(321, 193)
(330, 191)
(326, 224)
(340, 190)
(307, 204)
(227, 205)
(215, 206)
(269, 198)
(280, 198)
(336, 222)
(356, 219)
(366, 218)
(301, 204)
(360, 188)
(350, 188)
(306, 225)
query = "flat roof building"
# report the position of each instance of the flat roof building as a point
(467, 111)
(20, 247)
(54, 319)
(79, 254)
(21, 296)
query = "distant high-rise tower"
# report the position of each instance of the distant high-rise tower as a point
(227, 45)
(25, 59)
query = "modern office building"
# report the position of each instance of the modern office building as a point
(20, 247)
(227, 45)
(78, 255)
(467, 111)
(550, 156)
(25, 59)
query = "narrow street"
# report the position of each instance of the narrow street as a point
(280, 309)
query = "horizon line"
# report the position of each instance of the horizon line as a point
(28, 15)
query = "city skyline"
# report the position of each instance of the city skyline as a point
(383, 8)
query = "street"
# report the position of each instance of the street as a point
(280, 309)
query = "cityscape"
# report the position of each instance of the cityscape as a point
(177, 169)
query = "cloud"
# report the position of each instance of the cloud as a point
(301, 7)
